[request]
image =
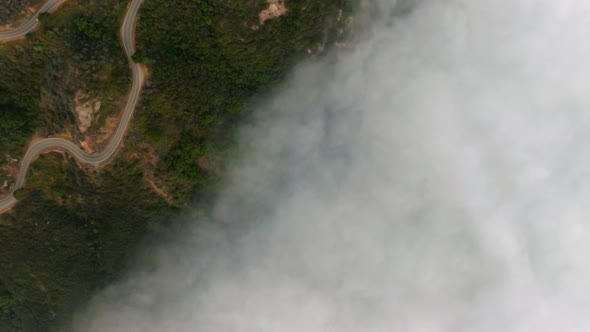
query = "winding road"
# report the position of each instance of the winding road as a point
(127, 34)
(32, 24)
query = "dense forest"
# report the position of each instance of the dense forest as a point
(207, 61)
(11, 9)
(75, 228)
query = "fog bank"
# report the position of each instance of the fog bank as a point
(434, 178)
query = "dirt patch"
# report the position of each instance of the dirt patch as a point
(211, 165)
(159, 191)
(7, 27)
(107, 131)
(89, 144)
(146, 72)
(276, 8)
(150, 157)
(8, 175)
(64, 135)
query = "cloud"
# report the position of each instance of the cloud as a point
(434, 178)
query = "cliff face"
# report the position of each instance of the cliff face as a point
(76, 228)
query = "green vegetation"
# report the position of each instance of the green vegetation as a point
(72, 236)
(89, 34)
(24, 104)
(16, 127)
(6, 303)
(207, 59)
(9, 9)
(76, 229)
(9, 321)
(77, 50)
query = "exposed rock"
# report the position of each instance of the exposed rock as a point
(276, 8)
(85, 110)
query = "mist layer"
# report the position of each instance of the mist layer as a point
(434, 177)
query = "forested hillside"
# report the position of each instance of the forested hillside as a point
(76, 228)
(9, 9)
(207, 60)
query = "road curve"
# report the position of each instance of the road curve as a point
(127, 35)
(32, 24)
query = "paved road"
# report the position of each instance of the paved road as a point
(127, 35)
(32, 24)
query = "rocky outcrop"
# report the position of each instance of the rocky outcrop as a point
(275, 9)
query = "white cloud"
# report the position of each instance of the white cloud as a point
(435, 178)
